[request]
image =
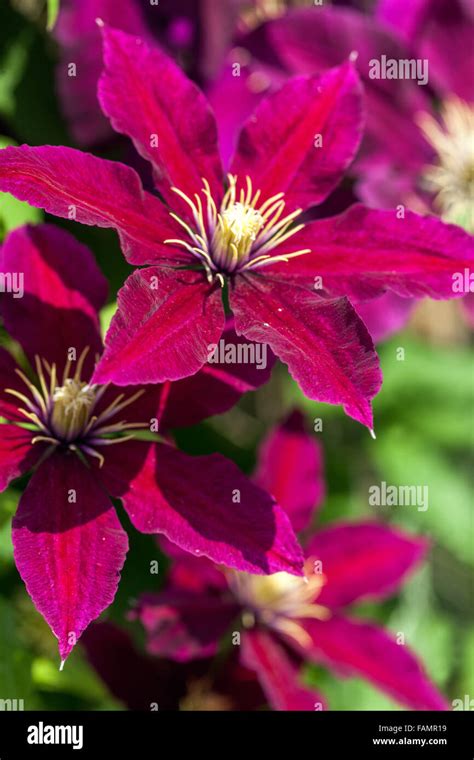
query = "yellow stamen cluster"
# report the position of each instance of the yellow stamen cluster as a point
(62, 412)
(255, 13)
(279, 600)
(72, 403)
(451, 178)
(241, 235)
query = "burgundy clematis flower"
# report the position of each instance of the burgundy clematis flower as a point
(79, 439)
(284, 620)
(246, 234)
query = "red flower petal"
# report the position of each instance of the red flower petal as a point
(17, 454)
(184, 625)
(147, 97)
(9, 379)
(76, 185)
(386, 315)
(363, 559)
(135, 678)
(363, 252)
(309, 43)
(165, 323)
(290, 467)
(278, 146)
(277, 674)
(360, 649)
(217, 386)
(326, 346)
(69, 553)
(203, 504)
(63, 291)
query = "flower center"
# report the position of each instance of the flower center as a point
(65, 414)
(239, 228)
(241, 235)
(451, 177)
(72, 404)
(279, 600)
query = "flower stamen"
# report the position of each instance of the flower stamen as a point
(241, 235)
(64, 415)
(280, 600)
(451, 178)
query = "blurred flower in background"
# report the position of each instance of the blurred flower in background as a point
(282, 621)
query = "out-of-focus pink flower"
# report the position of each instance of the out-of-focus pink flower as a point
(282, 621)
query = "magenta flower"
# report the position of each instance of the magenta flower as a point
(284, 620)
(286, 281)
(78, 438)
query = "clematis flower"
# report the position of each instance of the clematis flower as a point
(79, 439)
(284, 621)
(245, 235)
(418, 145)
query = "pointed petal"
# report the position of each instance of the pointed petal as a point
(386, 315)
(277, 674)
(9, 379)
(80, 42)
(189, 572)
(17, 453)
(184, 625)
(364, 559)
(290, 467)
(63, 291)
(302, 138)
(218, 385)
(203, 504)
(364, 252)
(311, 40)
(327, 348)
(76, 185)
(165, 323)
(68, 553)
(361, 649)
(165, 114)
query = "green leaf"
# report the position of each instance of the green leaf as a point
(348, 693)
(404, 458)
(77, 678)
(53, 10)
(15, 661)
(106, 315)
(467, 678)
(12, 69)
